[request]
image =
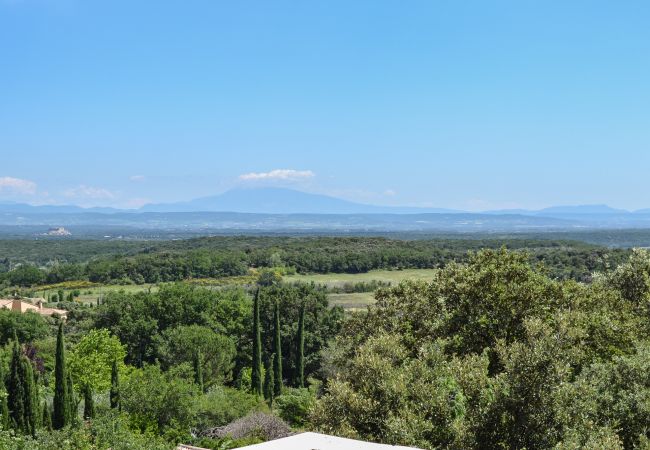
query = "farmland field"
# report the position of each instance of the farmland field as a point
(387, 276)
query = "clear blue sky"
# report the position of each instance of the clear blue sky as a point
(463, 104)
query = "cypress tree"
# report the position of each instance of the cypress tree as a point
(256, 374)
(60, 295)
(29, 400)
(16, 389)
(269, 384)
(89, 403)
(47, 417)
(198, 370)
(71, 401)
(115, 386)
(300, 363)
(61, 416)
(277, 349)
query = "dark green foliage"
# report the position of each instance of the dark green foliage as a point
(269, 383)
(71, 401)
(164, 261)
(217, 351)
(22, 396)
(27, 327)
(89, 403)
(47, 417)
(321, 324)
(26, 275)
(16, 391)
(277, 350)
(300, 351)
(115, 386)
(31, 400)
(198, 370)
(62, 414)
(256, 375)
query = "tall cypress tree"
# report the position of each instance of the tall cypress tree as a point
(72, 401)
(29, 400)
(277, 349)
(300, 353)
(16, 389)
(47, 417)
(61, 416)
(269, 384)
(115, 386)
(256, 374)
(89, 403)
(198, 369)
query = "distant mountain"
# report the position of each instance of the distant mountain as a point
(282, 201)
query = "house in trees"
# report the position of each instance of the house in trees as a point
(34, 305)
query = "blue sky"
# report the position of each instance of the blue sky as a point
(463, 104)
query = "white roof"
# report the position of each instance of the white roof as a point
(316, 441)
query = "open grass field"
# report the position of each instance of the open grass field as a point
(388, 276)
(349, 301)
(360, 300)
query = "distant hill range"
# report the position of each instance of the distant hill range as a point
(277, 209)
(283, 201)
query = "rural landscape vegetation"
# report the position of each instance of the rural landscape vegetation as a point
(324, 225)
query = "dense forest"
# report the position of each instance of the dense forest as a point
(494, 351)
(28, 263)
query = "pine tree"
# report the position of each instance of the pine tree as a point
(198, 370)
(16, 389)
(300, 363)
(115, 387)
(61, 416)
(269, 384)
(89, 403)
(277, 349)
(47, 417)
(256, 375)
(71, 401)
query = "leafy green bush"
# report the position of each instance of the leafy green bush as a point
(294, 405)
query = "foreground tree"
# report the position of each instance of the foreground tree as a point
(16, 390)
(300, 351)
(115, 386)
(62, 413)
(256, 375)
(89, 403)
(198, 369)
(277, 350)
(269, 384)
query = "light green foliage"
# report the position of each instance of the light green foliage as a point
(159, 401)
(90, 361)
(294, 405)
(107, 432)
(221, 405)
